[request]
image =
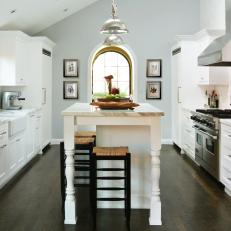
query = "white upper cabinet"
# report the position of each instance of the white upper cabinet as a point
(13, 59)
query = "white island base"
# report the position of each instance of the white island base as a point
(140, 130)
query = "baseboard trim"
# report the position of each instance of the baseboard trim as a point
(163, 141)
(56, 141)
(166, 141)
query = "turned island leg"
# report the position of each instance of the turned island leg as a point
(155, 208)
(70, 202)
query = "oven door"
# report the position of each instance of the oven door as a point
(199, 144)
(210, 152)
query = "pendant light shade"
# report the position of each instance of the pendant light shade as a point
(113, 40)
(114, 25)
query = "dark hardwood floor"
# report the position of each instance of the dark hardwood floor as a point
(191, 200)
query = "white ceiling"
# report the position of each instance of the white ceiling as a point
(32, 16)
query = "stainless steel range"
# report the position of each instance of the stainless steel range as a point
(207, 127)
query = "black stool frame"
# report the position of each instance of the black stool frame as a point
(126, 178)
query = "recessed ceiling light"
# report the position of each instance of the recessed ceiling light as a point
(13, 11)
(65, 10)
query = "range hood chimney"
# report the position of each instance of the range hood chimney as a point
(218, 53)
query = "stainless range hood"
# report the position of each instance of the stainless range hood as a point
(218, 53)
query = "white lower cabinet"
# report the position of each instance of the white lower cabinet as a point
(3, 152)
(17, 150)
(225, 157)
(188, 134)
(3, 161)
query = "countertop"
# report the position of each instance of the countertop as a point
(85, 109)
(226, 121)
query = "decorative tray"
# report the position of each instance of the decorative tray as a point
(115, 105)
(112, 100)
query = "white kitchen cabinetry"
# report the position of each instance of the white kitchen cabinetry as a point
(188, 134)
(37, 133)
(184, 87)
(30, 149)
(39, 91)
(13, 59)
(225, 157)
(3, 153)
(16, 153)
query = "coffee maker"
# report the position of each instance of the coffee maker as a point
(8, 100)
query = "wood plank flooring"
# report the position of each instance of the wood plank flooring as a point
(191, 200)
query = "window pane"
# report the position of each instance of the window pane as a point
(111, 63)
(122, 62)
(124, 87)
(111, 59)
(123, 74)
(111, 71)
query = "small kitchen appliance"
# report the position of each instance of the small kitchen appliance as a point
(207, 130)
(8, 100)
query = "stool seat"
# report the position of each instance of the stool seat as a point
(110, 151)
(82, 141)
(84, 134)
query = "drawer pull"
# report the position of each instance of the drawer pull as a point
(3, 133)
(18, 140)
(229, 179)
(3, 146)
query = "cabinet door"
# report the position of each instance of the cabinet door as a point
(20, 143)
(7, 61)
(30, 137)
(13, 156)
(176, 98)
(3, 163)
(37, 135)
(21, 63)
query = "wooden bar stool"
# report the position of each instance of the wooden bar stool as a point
(81, 165)
(86, 134)
(111, 153)
(83, 149)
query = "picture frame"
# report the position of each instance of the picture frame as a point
(153, 90)
(70, 68)
(70, 90)
(154, 68)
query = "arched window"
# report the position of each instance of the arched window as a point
(116, 62)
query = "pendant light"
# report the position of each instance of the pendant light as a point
(113, 40)
(114, 25)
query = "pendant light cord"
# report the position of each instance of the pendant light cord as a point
(114, 10)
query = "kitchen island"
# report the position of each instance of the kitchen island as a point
(144, 116)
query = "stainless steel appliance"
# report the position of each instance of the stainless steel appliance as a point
(207, 127)
(218, 52)
(8, 100)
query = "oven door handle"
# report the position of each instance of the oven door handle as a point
(205, 133)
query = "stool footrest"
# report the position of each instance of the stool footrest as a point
(81, 154)
(82, 168)
(111, 178)
(110, 169)
(82, 185)
(82, 177)
(110, 199)
(82, 162)
(111, 188)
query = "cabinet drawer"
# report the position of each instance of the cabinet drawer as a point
(226, 131)
(226, 178)
(226, 162)
(3, 137)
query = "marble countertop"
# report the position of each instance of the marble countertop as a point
(226, 121)
(85, 109)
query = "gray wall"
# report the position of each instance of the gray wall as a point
(153, 25)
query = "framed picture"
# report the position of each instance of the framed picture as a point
(70, 68)
(154, 67)
(70, 90)
(153, 90)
